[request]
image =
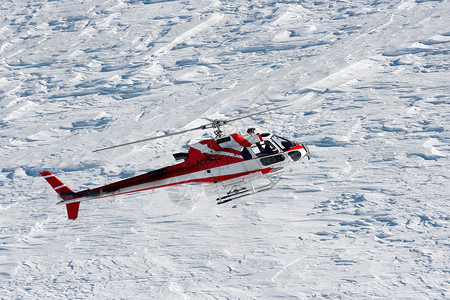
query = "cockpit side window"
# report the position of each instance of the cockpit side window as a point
(264, 148)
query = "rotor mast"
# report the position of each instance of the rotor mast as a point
(217, 124)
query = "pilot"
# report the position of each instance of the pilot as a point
(268, 149)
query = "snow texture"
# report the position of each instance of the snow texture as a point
(366, 217)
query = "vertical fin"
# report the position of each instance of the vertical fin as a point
(72, 210)
(64, 192)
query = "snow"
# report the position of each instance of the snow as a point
(366, 217)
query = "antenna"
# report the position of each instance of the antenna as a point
(216, 124)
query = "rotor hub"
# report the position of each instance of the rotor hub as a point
(217, 125)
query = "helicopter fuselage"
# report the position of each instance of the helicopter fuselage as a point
(209, 161)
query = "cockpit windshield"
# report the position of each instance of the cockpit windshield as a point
(283, 143)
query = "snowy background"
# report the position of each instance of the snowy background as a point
(366, 217)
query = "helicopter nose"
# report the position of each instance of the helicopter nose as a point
(299, 153)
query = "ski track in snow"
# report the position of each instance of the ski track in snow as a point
(366, 217)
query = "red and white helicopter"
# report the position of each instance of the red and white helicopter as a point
(227, 167)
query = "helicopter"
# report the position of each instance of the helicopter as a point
(227, 166)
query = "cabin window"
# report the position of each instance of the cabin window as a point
(264, 148)
(265, 161)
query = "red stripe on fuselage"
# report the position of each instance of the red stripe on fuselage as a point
(296, 147)
(166, 173)
(241, 140)
(199, 180)
(212, 144)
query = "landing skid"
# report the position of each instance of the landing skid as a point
(223, 192)
(226, 191)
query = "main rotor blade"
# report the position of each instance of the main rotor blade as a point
(214, 124)
(256, 113)
(152, 138)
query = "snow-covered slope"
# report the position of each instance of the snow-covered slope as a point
(366, 217)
